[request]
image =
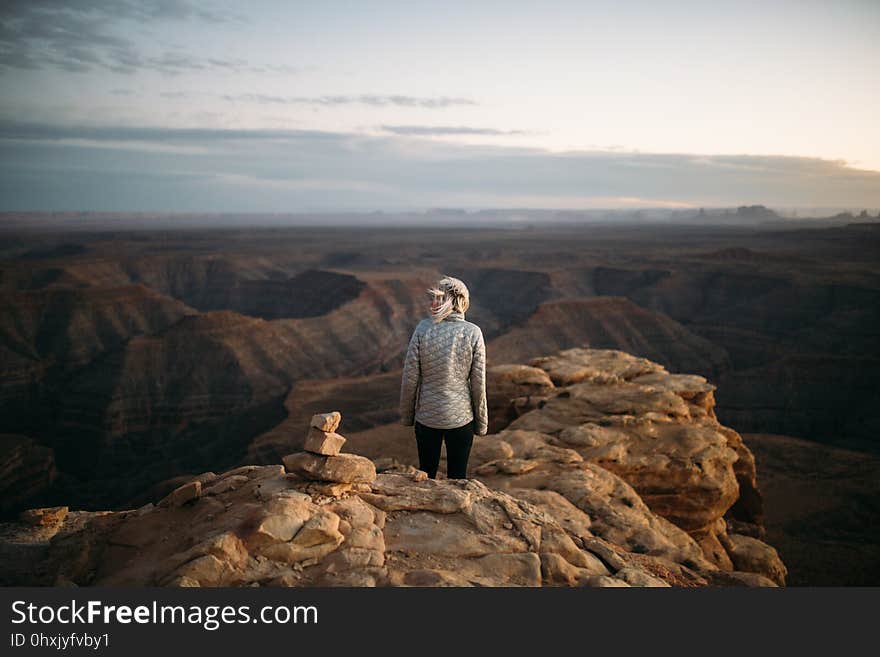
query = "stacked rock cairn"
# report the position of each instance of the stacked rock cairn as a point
(329, 472)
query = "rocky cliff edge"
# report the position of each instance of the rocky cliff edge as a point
(604, 470)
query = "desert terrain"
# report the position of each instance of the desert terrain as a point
(136, 356)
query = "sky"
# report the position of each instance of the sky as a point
(196, 105)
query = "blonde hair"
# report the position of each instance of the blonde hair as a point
(454, 298)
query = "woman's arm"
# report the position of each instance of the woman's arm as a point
(478, 386)
(409, 382)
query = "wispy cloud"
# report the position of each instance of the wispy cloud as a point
(364, 99)
(87, 35)
(179, 95)
(441, 130)
(49, 132)
(44, 166)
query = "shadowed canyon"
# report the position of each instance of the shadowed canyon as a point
(714, 388)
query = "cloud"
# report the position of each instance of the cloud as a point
(86, 35)
(365, 99)
(68, 167)
(178, 95)
(440, 130)
(16, 130)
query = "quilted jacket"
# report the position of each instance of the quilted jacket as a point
(444, 375)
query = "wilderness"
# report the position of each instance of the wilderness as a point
(689, 401)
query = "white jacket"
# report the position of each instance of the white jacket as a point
(444, 375)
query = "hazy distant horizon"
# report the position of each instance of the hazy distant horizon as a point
(440, 218)
(214, 106)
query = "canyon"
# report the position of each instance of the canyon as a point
(131, 360)
(618, 475)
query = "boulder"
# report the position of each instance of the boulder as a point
(323, 442)
(44, 517)
(342, 468)
(751, 555)
(183, 494)
(328, 422)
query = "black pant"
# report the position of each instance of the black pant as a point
(458, 449)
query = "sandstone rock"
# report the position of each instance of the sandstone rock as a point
(512, 390)
(688, 386)
(369, 537)
(429, 578)
(424, 532)
(290, 553)
(739, 578)
(183, 494)
(654, 429)
(438, 533)
(244, 470)
(615, 511)
(557, 541)
(622, 478)
(44, 517)
(557, 571)
(225, 484)
(183, 582)
(510, 569)
(714, 546)
(266, 472)
(515, 379)
(489, 448)
(516, 466)
(354, 511)
(207, 570)
(327, 422)
(603, 581)
(347, 558)
(344, 468)
(328, 489)
(323, 442)
(533, 445)
(754, 556)
(575, 365)
(323, 527)
(636, 577)
(226, 547)
(575, 521)
(397, 492)
(361, 578)
(393, 466)
(605, 551)
(590, 434)
(280, 526)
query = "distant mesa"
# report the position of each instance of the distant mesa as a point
(609, 322)
(60, 251)
(446, 211)
(756, 213)
(733, 253)
(511, 295)
(310, 293)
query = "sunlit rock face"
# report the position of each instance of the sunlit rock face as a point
(619, 476)
(656, 431)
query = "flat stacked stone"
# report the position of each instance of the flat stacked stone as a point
(322, 437)
(322, 463)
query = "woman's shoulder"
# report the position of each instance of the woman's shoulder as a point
(474, 329)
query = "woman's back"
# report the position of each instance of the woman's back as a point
(443, 383)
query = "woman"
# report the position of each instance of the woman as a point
(443, 387)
